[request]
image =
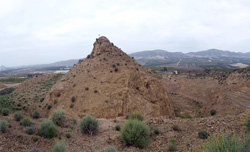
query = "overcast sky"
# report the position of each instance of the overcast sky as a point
(45, 31)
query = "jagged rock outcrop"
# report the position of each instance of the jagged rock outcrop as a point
(108, 84)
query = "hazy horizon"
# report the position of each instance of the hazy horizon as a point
(42, 32)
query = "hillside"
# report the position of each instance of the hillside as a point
(109, 84)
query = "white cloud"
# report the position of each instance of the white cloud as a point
(52, 30)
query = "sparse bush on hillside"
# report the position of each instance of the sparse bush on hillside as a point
(59, 146)
(116, 69)
(86, 88)
(73, 99)
(156, 131)
(26, 121)
(95, 91)
(42, 99)
(202, 134)
(68, 135)
(19, 104)
(71, 105)
(3, 126)
(47, 129)
(49, 107)
(109, 149)
(29, 130)
(136, 115)
(58, 94)
(212, 112)
(5, 111)
(117, 127)
(176, 128)
(58, 116)
(135, 133)
(18, 116)
(137, 88)
(227, 143)
(36, 114)
(172, 146)
(89, 125)
(247, 121)
(35, 138)
(35, 150)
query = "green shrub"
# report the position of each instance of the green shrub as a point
(3, 126)
(86, 88)
(95, 91)
(247, 121)
(49, 107)
(68, 135)
(29, 130)
(36, 114)
(47, 129)
(109, 149)
(136, 115)
(156, 131)
(19, 104)
(135, 133)
(71, 105)
(172, 147)
(35, 138)
(58, 94)
(59, 146)
(26, 121)
(73, 99)
(5, 111)
(117, 127)
(42, 99)
(89, 125)
(227, 143)
(35, 150)
(212, 112)
(18, 116)
(202, 134)
(58, 116)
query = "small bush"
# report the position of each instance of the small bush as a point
(5, 111)
(89, 125)
(73, 99)
(3, 126)
(71, 105)
(49, 107)
(156, 131)
(58, 116)
(59, 146)
(68, 135)
(127, 116)
(172, 147)
(212, 112)
(35, 150)
(36, 114)
(176, 128)
(116, 69)
(19, 104)
(137, 88)
(136, 115)
(18, 116)
(42, 99)
(203, 134)
(95, 91)
(47, 129)
(109, 149)
(29, 130)
(26, 122)
(135, 133)
(58, 94)
(86, 88)
(35, 138)
(227, 143)
(247, 121)
(117, 127)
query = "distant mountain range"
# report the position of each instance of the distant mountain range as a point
(212, 53)
(203, 59)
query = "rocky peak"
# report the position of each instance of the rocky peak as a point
(102, 44)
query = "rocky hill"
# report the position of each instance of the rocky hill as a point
(108, 84)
